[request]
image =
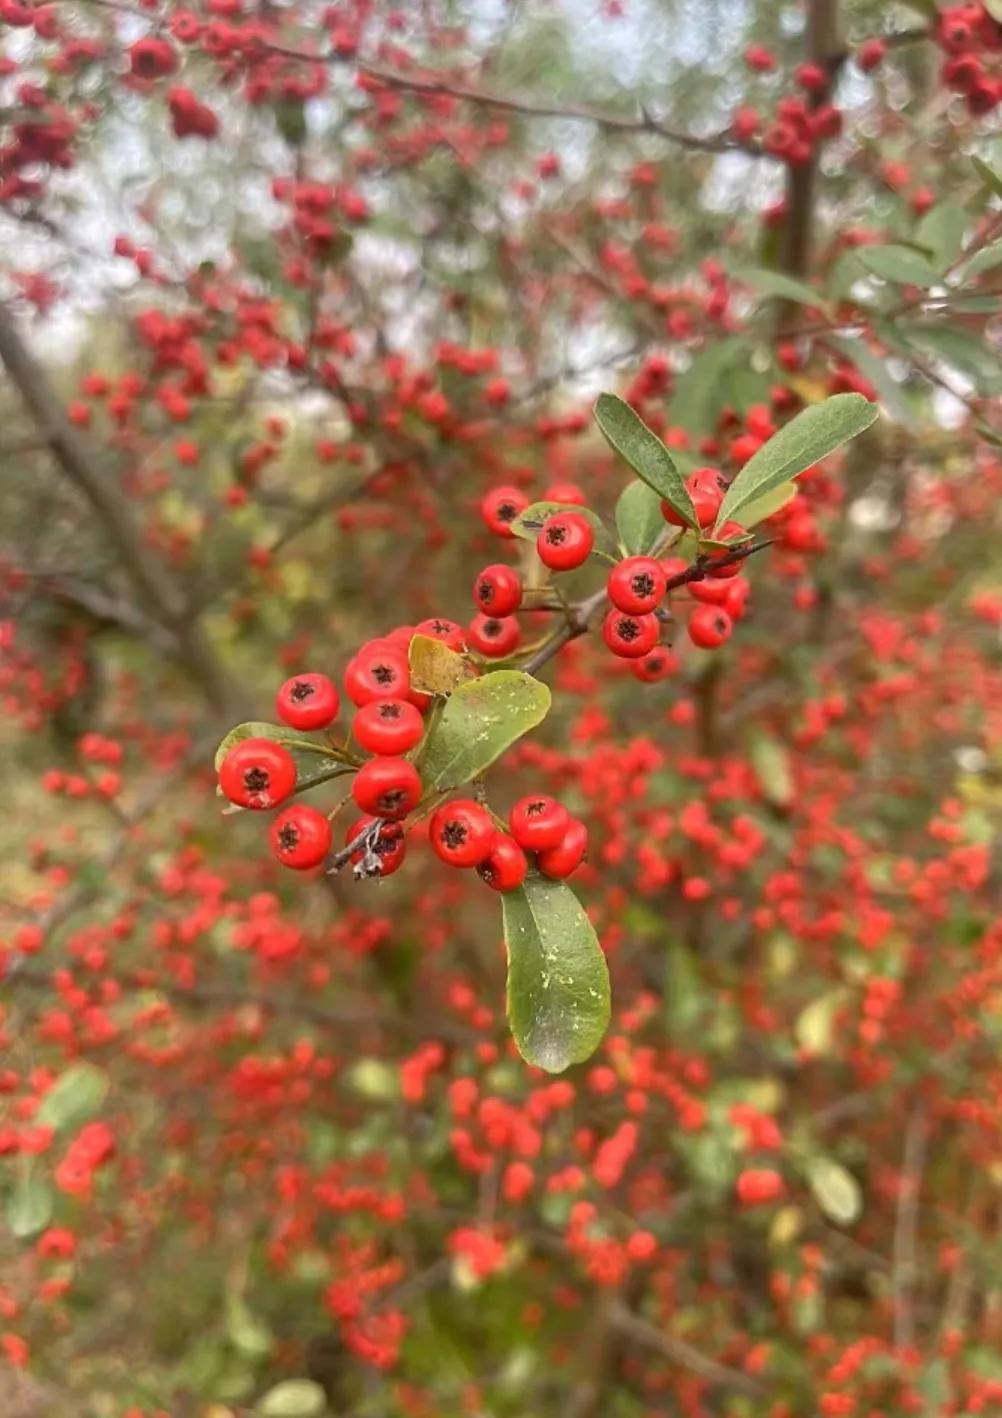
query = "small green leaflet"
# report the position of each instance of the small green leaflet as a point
(29, 1206)
(813, 434)
(480, 720)
(558, 982)
(768, 504)
(638, 518)
(899, 264)
(777, 284)
(315, 762)
(988, 176)
(941, 233)
(74, 1097)
(628, 435)
(293, 1398)
(435, 669)
(835, 1190)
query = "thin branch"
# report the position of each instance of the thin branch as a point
(677, 1351)
(905, 1229)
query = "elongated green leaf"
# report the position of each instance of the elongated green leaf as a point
(815, 432)
(835, 1190)
(941, 233)
(74, 1097)
(558, 982)
(435, 669)
(962, 351)
(315, 762)
(899, 264)
(480, 720)
(638, 518)
(771, 762)
(988, 175)
(29, 1206)
(815, 1026)
(777, 284)
(293, 1398)
(703, 389)
(628, 435)
(874, 368)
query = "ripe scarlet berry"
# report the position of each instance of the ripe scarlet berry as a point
(307, 702)
(498, 590)
(462, 833)
(377, 672)
(301, 837)
(257, 773)
(448, 631)
(387, 787)
(737, 599)
(705, 490)
(385, 853)
(563, 859)
(495, 637)
(759, 1185)
(506, 866)
(709, 626)
(501, 506)
(565, 493)
(636, 585)
(538, 822)
(657, 665)
(565, 542)
(711, 591)
(630, 636)
(387, 726)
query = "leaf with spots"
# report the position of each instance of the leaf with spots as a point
(480, 720)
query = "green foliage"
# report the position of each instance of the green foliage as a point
(558, 982)
(639, 520)
(479, 721)
(630, 437)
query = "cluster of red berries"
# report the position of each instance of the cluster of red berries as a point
(260, 773)
(636, 586)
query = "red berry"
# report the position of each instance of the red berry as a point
(565, 541)
(500, 507)
(737, 599)
(712, 590)
(257, 773)
(506, 866)
(759, 1185)
(448, 631)
(709, 626)
(495, 638)
(655, 666)
(560, 861)
(462, 833)
(538, 822)
(636, 585)
(387, 787)
(388, 726)
(386, 852)
(377, 672)
(498, 590)
(705, 490)
(565, 493)
(301, 837)
(630, 636)
(307, 702)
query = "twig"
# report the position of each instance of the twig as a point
(905, 1227)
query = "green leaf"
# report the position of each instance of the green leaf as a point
(941, 233)
(777, 284)
(835, 1190)
(558, 981)
(988, 176)
(293, 1398)
(29, 1206)
(435, 669)
(315, 762)
(74, 1097)
(771, 762)
(812, 435)
(628, 435)
(479, 721)
(898, 264)
(250, 1335)
(814, 1029)
(769, 503)
(703, 389)
(638, 518)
